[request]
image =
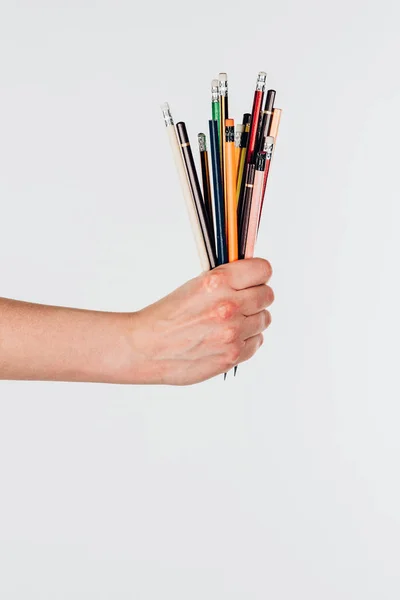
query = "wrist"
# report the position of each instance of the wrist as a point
(129, 359)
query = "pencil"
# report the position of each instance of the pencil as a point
(243, 148)
(230, 190)
(215, 107)
(180, 167)
(219, 208)
(249, 186)
(238, 144)
(273, 132)
(265, 119)
(205, 176)
(255, 117)
(255, 205)
(223, 107)
(268, 149)
(276, 119)
(196, 191)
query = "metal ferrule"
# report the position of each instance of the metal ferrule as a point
(261, 81)
(223, 88)
(167, 117)
(229, 134)
(214, 94)
(238, 138)
(202, 142)
(268, 146)
(260, 161)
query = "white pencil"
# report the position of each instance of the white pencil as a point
(187, 193)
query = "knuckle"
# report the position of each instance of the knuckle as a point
(225, 310)
(214, 280)
(271, 295)
(265, 268)
(264, 296)
(267, 319)
(230, 334)
(233, 353)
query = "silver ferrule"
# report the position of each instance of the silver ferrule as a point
(167, 115)
(214, 93)
(202, 142)
(223, 88)
(261, 81)
(238, 138)
(268, 146)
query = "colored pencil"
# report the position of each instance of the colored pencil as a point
(255, 117)
(215, 107)
(223, 107)
(196, 191)
(230, 190)
(238, 144)
(243, 149)
(219, 208)
(273, 132)
(274, 127)
(187, 193)
(251, 234)
(268, 149)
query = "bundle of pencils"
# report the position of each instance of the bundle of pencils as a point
(225, 209)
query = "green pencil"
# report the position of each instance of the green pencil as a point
(215, 109)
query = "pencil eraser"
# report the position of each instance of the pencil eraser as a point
(223, 77)
(214, 83)
(165, 106)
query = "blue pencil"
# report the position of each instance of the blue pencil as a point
(219, 206)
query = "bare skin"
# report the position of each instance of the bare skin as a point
(200, 330)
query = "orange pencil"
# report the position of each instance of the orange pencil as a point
(230, 178)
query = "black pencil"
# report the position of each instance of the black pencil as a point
(205, 177)
(265, 120)
(196, 191)
(248, 193)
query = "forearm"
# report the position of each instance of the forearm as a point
(62, 344)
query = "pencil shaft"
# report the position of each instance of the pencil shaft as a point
(231, 208)
(222, 148)
(187, 194)
(196, 191)
(255, 205)
(242, 162)
(254, 124)
(265, 120)
(219, 208)
(264, 189)
(205, 177)
(216, 116)
(249, 186)
(205, 174)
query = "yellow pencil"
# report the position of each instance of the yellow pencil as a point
(230, 178)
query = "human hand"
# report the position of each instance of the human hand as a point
(205, 327)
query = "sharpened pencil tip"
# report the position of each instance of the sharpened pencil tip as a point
(235, 371)
(224, 376)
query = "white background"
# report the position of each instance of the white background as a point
(284, 483)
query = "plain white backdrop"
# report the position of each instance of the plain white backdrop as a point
(284, 483)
